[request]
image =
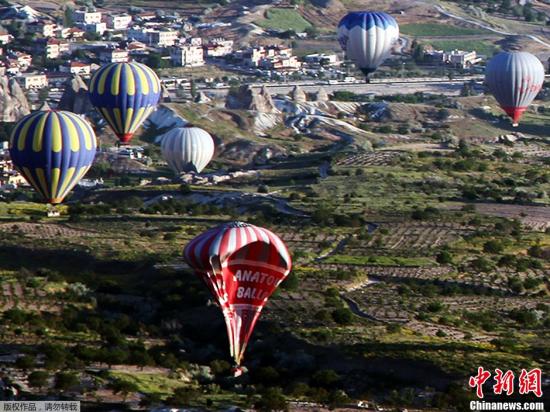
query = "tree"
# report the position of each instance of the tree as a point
(342, 316)
(38, 379)
(417, 52)
(25, 362)
(325, 378)
(66, 380)
(444, 258)
(493, 246)
(272, 399)
(312, 32)
(123, 387)
(182, 396)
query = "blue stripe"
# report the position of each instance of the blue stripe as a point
(367, 20)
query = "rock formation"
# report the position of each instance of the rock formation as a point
(75, 97)
(13, 103)
(202, 98)
(298, 95)
(248, 98)
(322, 95)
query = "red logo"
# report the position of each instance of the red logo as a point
(529, 382)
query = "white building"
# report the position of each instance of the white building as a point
(218, 48)
(457, 58)
(153, 37)
(119, 21)
(187, 55)
(86, 17)
(55, 48)
(32, 80)
(5, 37)
(322, 59)
(79, 68)
(113, 56)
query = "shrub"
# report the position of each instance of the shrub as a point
(342, 316)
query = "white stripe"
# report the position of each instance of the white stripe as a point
(278, 269)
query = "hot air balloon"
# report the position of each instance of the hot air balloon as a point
(515, 79)
(53, 150)
(242, 265)
(367, 38)
(125, 94)
(187, 149)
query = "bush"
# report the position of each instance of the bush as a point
(444, 258)
(38, 379)
(325, 378)
(66, 380)
(272, 399)
(342, 316)
(493, 246)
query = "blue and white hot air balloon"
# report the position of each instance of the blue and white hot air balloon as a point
(367, 38)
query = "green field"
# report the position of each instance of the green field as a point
(284, 19)
(480, 46)
(434, 29)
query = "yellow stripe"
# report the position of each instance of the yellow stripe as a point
(43, 183)
(109, 119)
(103, 79)
(142, 79)
(64, 184)
(154, 78)
(57, 141)
(39, 132)
(28, 175)
(87, 131)
(115, 81)
(118, 119)
(137, 119)
(72, 130)
(130, 82)
(56, 172)
(74, 181)
(129, 118)
(24, 130)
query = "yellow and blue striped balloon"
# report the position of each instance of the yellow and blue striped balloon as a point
(53, 150)
(125, 94)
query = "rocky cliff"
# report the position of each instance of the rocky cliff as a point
(75, 97)
(13, 103)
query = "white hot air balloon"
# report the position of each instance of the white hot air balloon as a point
(367, 38)
(514, 78)
(187, 149)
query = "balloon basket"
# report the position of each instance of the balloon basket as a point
(237, 371)
(52, 211)
(515, 124)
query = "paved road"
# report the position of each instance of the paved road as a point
(450, 88)
(485, 26)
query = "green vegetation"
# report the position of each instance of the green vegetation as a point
(437, 30)
(284, 19)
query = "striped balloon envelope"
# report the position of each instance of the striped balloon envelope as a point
(53, 150)
(367, 38)
(187, 149)
(514, 78)
(125, 94)
(242, 265)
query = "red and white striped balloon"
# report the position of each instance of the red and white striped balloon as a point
(242, 265)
